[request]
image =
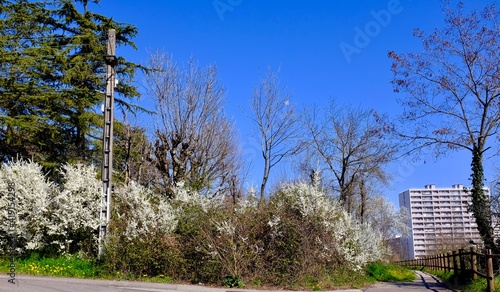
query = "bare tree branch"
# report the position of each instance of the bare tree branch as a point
(451, 98)
(277, 123)
(195, 142)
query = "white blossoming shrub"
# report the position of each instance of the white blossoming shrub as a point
(29, 196)
(341, 238)
(357, 244)
(75, 209)
(141, 214)
(142, 239)
(51, 218)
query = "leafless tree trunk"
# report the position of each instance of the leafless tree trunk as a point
(277, 123)
(195, 142)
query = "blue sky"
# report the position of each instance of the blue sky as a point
(319, 46)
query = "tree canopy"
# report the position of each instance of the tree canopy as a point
(52, 78)
(451, 94)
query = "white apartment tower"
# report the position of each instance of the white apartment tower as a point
(439, 221)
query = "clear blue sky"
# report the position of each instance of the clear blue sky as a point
(317, 46)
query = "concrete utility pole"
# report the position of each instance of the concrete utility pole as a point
(107, 139)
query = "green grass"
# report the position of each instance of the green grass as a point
(390, 273)
(478, 285)
(70, 266)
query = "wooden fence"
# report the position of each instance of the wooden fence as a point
(464, 264)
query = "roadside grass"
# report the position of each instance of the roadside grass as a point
(344, 279)
(72, 266)
(390, 273)
(69, 266)
(478, 285)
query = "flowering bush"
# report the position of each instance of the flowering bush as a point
(31, 196)
(142, 213)
(75, 209)
(298, 232)
(340, 236)
(49, 215)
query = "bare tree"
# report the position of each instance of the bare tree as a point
(383, 217)
(451, 94)
(351, 146)
(277, 123)
(194, 141)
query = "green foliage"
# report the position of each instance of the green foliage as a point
(480, 203)
(389, 273)
(345, 278)
(480, 285)
(233, 282)
(446, 276)
(199, 264)
(52, 73)
(64, 266)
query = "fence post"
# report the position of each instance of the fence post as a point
(448, 263)
(455, 267)
(473, 262)
(489, 271)
(463, 270)
(442, 263)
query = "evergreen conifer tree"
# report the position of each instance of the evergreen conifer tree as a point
(52, 78)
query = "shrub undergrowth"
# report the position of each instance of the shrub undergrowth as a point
(298, 237)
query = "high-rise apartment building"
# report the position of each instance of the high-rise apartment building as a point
(439, 221)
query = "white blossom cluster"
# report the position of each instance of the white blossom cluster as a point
(32, 192)
(142, 215)
(44, 209)
(76, 204)
(248, 203)
(185, 197)
(357, 243)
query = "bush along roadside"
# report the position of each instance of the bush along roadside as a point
(298, 237)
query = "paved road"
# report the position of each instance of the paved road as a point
(423, 283)
(46, 284)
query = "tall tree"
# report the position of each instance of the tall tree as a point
(51, 78)
(277, 123)
(195, 142)
(451, 94)
(351, 148)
